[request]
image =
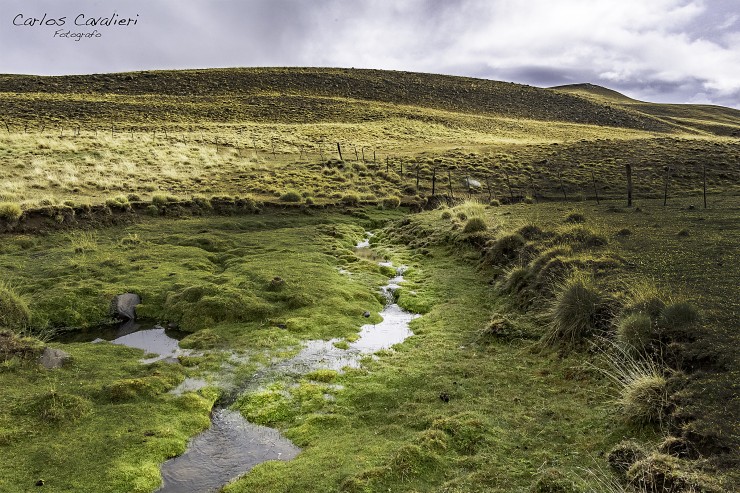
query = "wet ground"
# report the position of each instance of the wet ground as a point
(232, 446)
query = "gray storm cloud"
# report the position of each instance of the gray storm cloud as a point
(662, 50)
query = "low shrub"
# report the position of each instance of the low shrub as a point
(679, 315)
(552, 481)
(160, 199)
(644, 399)
(15, 346)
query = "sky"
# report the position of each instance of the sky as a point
(679, 51)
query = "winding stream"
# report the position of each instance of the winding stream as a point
(232, 446)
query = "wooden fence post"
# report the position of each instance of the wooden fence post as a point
(665, 188)
(596, 190)
(562, 185)
(508, 184)
(629, 184)
(339, 150)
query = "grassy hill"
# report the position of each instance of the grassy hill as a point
(229, 131)
(704, 118)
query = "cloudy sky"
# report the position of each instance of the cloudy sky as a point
(657, 50)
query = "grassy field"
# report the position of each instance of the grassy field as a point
(564, 345)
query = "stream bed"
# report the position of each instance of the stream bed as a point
(232, 446)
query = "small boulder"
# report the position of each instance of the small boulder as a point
(123, 306)
(53, 358)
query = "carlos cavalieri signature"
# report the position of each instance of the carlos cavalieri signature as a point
(79, 21)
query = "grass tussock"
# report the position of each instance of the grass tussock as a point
(475, 225)
(14, 312)
(580, 309)
(10, 211)
(643, 389)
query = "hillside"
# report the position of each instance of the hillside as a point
(290, 95)
(712, 119)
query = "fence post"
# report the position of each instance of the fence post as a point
(562, 185)
(449, 179)
(363, 154)
(508, 184)
(665, 188)
(596, 190)
(339, 150)
(357, 157)
(629, 184)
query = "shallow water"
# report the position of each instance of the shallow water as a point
(229, 448)
(153, 339)
(233, 446)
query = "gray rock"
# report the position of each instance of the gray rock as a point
(124, 306)
(53, 358)
(469, 182)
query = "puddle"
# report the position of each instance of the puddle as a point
(154, 339)
(229, 448)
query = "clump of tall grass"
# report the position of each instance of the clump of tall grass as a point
(10, 211)
(475, 225)
(579, 310)
(291, 196)
(636, 330)
(14, 312)
(642, 383)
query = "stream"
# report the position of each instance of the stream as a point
(232, 446)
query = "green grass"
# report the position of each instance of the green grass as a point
(64, 427)
(389, 428)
